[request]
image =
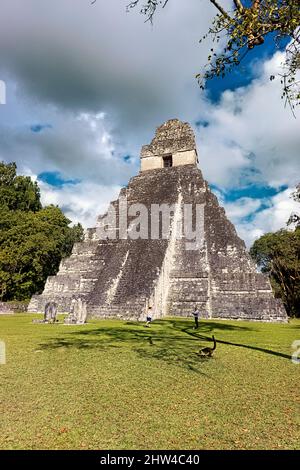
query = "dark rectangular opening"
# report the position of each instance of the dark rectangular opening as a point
(168, 161)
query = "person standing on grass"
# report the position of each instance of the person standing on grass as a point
(149, 316)
(196, 314)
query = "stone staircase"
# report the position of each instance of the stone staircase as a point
(121, 291)
(189, 282)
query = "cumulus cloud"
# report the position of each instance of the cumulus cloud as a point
(87, 86)
(82, 203)
(251, 137)
(77, 145)
(252, 223)
(87, 58)
(242, 208)
(75, 59)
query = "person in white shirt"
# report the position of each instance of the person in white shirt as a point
(196, 314)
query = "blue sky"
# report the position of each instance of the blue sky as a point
(54, 178)
(248, 69)
(40, 127)
(83, 96)
(255, 191)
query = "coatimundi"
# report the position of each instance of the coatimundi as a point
(208, 351)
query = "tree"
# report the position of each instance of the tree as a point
(278, 254)
(33, 240)
(18, 192)
(244, 28)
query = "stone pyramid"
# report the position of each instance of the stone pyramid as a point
(165, 242)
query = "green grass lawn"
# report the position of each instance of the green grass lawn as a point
(118, 385)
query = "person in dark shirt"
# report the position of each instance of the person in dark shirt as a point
(149, 316)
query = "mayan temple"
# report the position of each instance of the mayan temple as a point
(129, 261)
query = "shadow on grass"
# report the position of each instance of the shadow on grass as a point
(206, 326)
(171, 341)
(239, 345)
(148, 343)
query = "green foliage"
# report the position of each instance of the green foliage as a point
(244, 28)
(278, 254)
(32, 241)
(18, 192)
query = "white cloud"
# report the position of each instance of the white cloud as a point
(91, 58)
(242, 208)
(76, 145)
(270, 219)
(82, 202)
(251, 130)
(104, 81)
(251, 138)
(102, 78)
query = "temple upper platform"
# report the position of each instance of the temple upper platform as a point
(173, 145)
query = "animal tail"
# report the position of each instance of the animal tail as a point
(215, 343)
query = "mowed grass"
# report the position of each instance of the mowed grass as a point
(118, 385)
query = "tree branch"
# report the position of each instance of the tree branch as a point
(239, 5)
(221, 9)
